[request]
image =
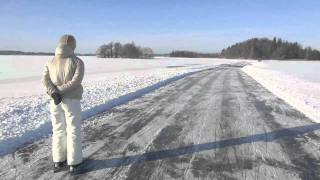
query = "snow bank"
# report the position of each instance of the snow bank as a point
(302, 94)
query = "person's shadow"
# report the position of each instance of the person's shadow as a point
(93, 165)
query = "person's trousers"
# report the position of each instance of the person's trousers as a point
(66, 128)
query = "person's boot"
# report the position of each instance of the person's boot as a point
(59, 166)
(74, 169)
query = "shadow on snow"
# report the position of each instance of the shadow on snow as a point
(93, 165)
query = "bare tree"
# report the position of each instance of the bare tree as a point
(102, 51)
(130, 50)
(110, 48)
(117, 49)
(147, 52)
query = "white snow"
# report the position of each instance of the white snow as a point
(24, 114)
(296, 82)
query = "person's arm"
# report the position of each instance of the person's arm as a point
(47, 83)
(76, 79)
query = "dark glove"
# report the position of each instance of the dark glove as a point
(57, 98)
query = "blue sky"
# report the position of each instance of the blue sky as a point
(164, 25)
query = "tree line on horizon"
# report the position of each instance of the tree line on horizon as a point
(258, 48)
(255, 48)
(5, 52)
(127, 50)
(9, 52)
(264, 48)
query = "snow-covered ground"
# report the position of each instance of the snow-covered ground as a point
(24, 114)
(296, 82)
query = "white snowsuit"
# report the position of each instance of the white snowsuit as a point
(63, 75)
(66, 128)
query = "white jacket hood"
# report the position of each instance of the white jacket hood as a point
(66, 46)
(64, 51)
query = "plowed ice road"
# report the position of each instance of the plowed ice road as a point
(215, 124)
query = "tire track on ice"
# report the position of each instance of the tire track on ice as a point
(170, 137)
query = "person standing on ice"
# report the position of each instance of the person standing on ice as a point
(62, 79)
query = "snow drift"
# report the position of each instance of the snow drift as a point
(302, 93)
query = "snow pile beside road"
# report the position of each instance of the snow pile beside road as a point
(302, 94)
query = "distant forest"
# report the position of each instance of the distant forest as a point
(36, 53)
(264, 48)
(192, 54)
(25, 53)
(258, 48)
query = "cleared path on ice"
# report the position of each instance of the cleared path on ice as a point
(216, 124)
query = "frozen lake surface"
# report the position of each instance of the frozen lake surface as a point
(307, 70)
(24, 113)
(22, 68)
